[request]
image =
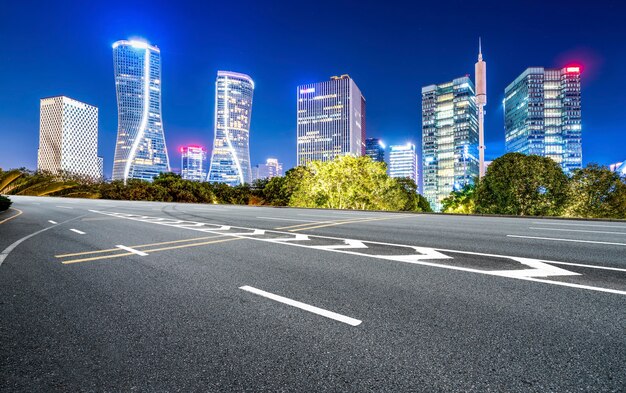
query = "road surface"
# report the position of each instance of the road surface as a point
(103, 295)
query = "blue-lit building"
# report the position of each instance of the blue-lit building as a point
(542, 115)
(449, 138)
(193, 163)
(230, 159)
(140, 151)
(375, 149)
(403, 161)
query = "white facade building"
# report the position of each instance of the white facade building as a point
(270, 169)
(68, 138)
(193, 163)
(403, 161)
(331, 120)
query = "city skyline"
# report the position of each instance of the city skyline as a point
(273, 125)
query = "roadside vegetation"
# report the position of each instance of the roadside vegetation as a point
(515, 184)
(522, 185)
(5, 203)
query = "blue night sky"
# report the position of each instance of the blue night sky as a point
(391, 49)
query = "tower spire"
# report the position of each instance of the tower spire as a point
(480, 49)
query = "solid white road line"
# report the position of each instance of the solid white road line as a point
(65, 207)
(52, 222)
(140, 253)
(567, 240)
(77, 231)
(288, 219)
(576, 230)
(579, 225)
(304, 306)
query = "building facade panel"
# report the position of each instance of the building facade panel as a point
(403, 161)
(193, 163)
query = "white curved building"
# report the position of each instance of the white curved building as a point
(140, 152)
(230, 158)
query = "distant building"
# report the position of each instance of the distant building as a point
(403, 161)
(375, 149)
(542, 115)
(68, 138)
(619, 167)
(270, 169)
(330, 120)
(230, 158)
(193, 163)
(487, 163)
(449, 139)
(140, 151)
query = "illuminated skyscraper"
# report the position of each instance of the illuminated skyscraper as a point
(68, 138)
(375, 149)
(542, 115)
(270, 169)
(449, 138)
(331, 120)
(403, 161)
(230, 159)
(193, 163)
(140, 152)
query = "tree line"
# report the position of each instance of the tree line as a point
(521, 185)
(515, 184)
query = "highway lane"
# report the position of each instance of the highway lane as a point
(81, 313)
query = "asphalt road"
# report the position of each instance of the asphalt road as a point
(137, 296)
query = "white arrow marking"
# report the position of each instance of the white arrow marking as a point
(349, 243)
(539, 269)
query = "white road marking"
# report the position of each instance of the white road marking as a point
(349, 243)
(303, 306)
(65, 207)
(77, 231)
(289, 219)
(140, 253)
(579, 225)
(577, 230)
(5, 253)
(52, 222)
(567, 240)
(539, 268)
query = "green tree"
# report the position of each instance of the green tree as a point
(5, 203)
(595, 191)
(461, 202)
(522, 185)
(414, 201)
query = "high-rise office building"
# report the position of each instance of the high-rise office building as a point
(619, 167)
(68, 138)
(403, 161)
(193, 163)
(542, 115)
(140, 152)
(330, 120)
(375, 149)
(449, 138)
(230, 159)
(270, 169)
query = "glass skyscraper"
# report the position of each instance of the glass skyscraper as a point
(330, 120)
(193, 163)
(403, 161)
(375, 149)
(270, 169)
(449, 138)
(140, 152)
(542, 115)
(230, 159)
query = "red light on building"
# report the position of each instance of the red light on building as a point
(573, 69)
(182, 149)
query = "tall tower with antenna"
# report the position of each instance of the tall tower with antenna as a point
(481, 100)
